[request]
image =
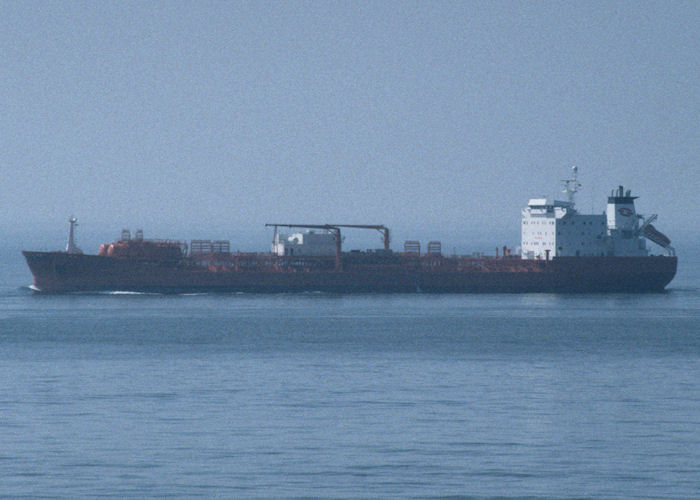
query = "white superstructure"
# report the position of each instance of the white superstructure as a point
(552, 228)
(308, 243)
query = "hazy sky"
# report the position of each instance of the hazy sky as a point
(438, 119)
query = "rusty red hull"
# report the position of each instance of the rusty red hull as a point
(56, 272)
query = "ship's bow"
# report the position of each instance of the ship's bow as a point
(43, 267)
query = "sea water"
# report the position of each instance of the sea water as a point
(373, 396)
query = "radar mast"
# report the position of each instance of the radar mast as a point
(571, 185)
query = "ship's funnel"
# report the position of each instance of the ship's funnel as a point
(620, 211)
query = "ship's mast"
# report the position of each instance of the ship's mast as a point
(571, 185)
(71, 247)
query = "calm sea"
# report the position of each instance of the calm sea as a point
(373, 396)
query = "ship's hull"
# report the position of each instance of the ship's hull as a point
(57, 272)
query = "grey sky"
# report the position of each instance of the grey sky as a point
(438, 119)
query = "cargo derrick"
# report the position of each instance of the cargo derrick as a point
(334, 229)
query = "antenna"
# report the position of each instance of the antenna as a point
(571, 185)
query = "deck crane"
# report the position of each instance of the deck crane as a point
(382, 229)
(335, 229)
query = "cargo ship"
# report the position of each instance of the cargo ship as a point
(561, 251)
